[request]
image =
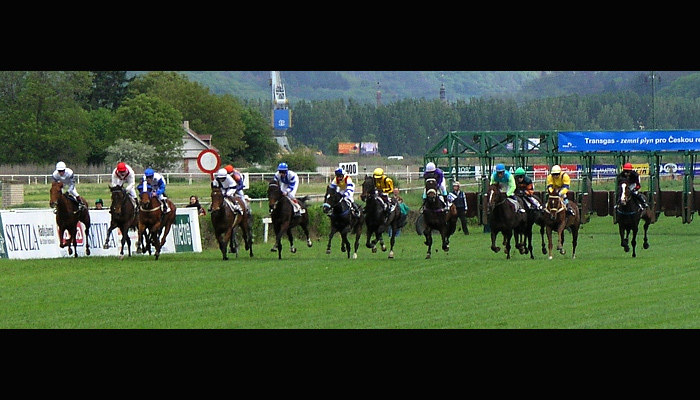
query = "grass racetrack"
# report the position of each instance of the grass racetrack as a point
(471, 287)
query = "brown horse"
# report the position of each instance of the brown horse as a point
(436, 218)
(283, 218)
(628, 216)
(225, 220)
(151, 222)
(502, 218)
(67, 218)
(557, 219)
(123, 216)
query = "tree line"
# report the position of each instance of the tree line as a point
(95, 117)
(101, 117)
(413, 126)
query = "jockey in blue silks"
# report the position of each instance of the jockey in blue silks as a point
(156, 182)
(506, 181)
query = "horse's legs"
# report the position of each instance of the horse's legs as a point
(506, 241)
(290, 237)
(86, 241)
(623, 236)
(544, 248)
(560, 234)
(428, 241)
(495, 248)
(549, 241)
(634, 241)
(646, 227)
(346, 242)
(574, 239)
(330, 238)
(112, 226)
(358, 233)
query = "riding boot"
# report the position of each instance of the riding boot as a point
(166, 209)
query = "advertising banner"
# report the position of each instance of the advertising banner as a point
(350, 168)
(282, 119)
(629, 141)
(348, 148)
(369, 148)
(26, 234)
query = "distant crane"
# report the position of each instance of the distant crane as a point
(281, 114)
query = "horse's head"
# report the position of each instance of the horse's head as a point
(273, 194)
(55, 193)
(331, 199)
(494, 197)
(368, 188)
(624, 193)
(431, 189)
(555, 204)
(145, 199)
(217, 199)
(118, 195)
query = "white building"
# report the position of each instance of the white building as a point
(192, 144)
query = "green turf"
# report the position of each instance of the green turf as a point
(471, 287)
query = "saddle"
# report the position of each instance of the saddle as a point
(515, 203)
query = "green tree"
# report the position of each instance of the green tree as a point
(109, 88)
(155, 123)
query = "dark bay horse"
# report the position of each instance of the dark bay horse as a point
(556, 219)
(342, 220)
(225, 220)
(67, 218)
(283, 218)
(435, 218)
(123, 216)
(151, 222)
(502, 218)
(375, 219)
(523, 237)
(628, 216)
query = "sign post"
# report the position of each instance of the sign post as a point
(208, 161)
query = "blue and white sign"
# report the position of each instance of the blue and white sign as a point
(281, 119)
(629, 141)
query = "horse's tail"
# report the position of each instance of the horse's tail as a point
(303, 200)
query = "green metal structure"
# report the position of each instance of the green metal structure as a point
(525, 148)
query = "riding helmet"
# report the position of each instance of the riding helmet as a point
(148, 172)
(221, 174)
(229, 168)
(282, 167)
(519, 171)
(429, 167)
(500, 167)
(556, 169)
(121, 167)
(60, 166)
(455, 183)
(378, 172)
(339, 172)
(627, 167)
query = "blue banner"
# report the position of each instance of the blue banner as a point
(629, 141)
(281, 119)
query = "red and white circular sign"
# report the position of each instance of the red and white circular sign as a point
(208, 161)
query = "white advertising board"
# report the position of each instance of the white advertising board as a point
(28, 234)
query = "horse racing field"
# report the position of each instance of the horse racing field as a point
(471, 287)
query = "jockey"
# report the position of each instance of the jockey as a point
(506, 181)
(432, 172)
(228, 186)
(631, 178)
(157, 183)
(561, 181)
(288, 181)
(65, 175)
(342, 183)
(124, 175)
(526, 189)
(386, 185)
(238, 179)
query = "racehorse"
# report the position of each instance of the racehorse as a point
(436, 218)
(557, 219)
(523, 237)
(628, 216)
(375, 219)
(151, 222)
(123, 216)
(502, 217)
(342, 220)
(225, 220)
(67, 218)
(283, 218)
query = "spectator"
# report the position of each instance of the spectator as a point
(404, 211)
(194, 202)
(460, 201)
(99, 205)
